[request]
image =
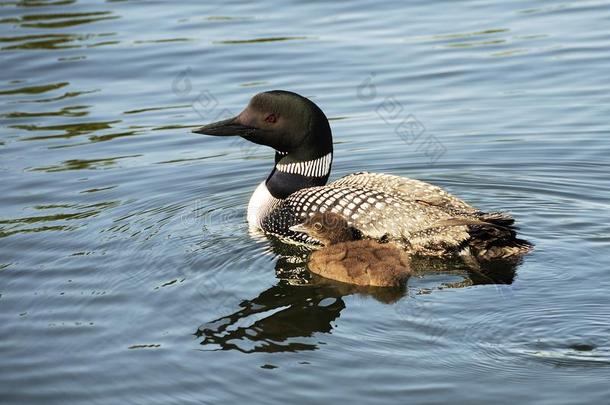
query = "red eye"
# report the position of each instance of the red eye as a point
(271, 118)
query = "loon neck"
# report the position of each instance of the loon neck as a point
(292, 173)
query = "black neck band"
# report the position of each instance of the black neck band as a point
(281, 184)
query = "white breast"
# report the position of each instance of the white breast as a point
(260, 205)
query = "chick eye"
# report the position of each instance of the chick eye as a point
(317, 226)
(271, 118)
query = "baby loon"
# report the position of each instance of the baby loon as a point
(419, 216)
(363, 262)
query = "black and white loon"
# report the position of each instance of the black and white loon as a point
(419, 216)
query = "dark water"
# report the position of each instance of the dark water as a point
(127, 274)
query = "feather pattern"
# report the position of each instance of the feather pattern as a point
(311, 168)
(419, 216)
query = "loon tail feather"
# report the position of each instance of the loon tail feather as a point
(498, 218)
(498, 240)
(516, 247)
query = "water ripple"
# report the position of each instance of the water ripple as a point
(124, 240)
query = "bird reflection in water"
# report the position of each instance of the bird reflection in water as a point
(286, 317)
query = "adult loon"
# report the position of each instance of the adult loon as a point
(349, 259)
(419, 216)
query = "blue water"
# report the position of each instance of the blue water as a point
(127, 273)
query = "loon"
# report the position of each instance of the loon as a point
(418, 216)
(348, 259)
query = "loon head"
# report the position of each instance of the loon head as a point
(289, 123)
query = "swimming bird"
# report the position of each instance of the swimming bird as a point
(419, 216)
(348, 259)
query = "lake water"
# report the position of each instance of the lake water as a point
(127, 273)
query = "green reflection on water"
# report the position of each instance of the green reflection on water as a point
(253, 84)
(46, 218)
(260, 40)
(72, 111)
(97, 138)
(510, 52)
(69, 94)
(103, 43)
(6, 233)
(69, 130)
(82, 164)
(475, 44)
(109, 137)
(42, 3)
(163, 40)
(52, 41)
(170, 107)
(470, 34)
(15, 225)
(63, 20)
(34, 89)
(166, 127)
(190, 159)
(97, 189)
(227, 18)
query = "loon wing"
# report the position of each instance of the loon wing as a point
(375, 213)
(421, 217)
(405, 188)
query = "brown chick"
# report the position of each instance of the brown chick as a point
(362, 262)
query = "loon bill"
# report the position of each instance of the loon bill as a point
(421, 217)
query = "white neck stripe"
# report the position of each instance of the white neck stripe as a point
(312, 168)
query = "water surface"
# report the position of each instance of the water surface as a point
(127, 273)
